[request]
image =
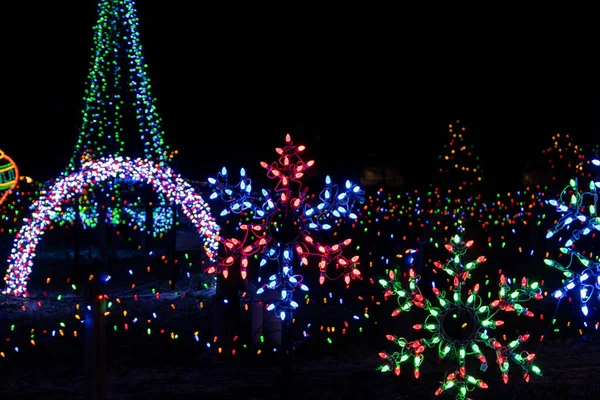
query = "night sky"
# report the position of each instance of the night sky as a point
(347, 82)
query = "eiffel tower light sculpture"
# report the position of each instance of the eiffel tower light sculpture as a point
(120, 115)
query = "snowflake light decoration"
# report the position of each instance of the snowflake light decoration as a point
(283, 225)
(579, 216)
(460, 326)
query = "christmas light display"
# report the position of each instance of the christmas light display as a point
(462, 324)
(282, 227)
(118, 107)
(9, 176)
(102, 172)
(578, 219)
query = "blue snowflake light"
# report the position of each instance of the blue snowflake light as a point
(579, 218)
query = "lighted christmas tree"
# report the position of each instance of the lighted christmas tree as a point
(457, 190)
(460, 324)
(460, 170)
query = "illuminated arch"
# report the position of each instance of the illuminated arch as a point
(46, 208)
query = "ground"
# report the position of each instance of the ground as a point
(139, 368)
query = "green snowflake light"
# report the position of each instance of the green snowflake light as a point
(462, 323)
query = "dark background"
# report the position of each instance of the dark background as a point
(347, 81)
